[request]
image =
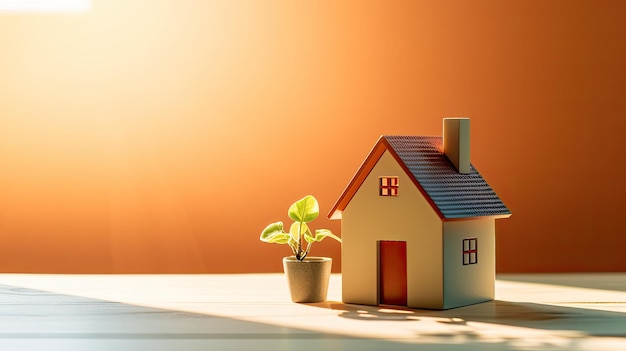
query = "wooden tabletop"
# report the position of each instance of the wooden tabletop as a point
(253, 312)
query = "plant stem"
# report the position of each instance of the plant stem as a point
(293, 249)
(299, 242)
(308, 247)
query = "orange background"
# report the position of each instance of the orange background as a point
(162, 136)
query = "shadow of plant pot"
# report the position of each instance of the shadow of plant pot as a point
(308, 279)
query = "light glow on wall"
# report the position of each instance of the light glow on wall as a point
(44, 5)
(135, 136)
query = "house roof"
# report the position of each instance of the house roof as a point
(452, 195)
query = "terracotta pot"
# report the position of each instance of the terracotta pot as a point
(308, 279)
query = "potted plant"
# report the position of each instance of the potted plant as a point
(307, 276)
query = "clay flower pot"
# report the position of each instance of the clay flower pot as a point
(308, 279)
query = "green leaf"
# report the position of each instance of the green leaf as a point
(305, 209)
(320, 235)
(275, 234)
(309, 238)
(281, 238)
(293, 230)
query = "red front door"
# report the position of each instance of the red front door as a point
(392, 270)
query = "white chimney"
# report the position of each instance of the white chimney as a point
(456, 142)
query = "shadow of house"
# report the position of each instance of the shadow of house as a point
(546, 325)
(36, 320)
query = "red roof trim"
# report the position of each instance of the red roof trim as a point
(378, 150)
(358, 178)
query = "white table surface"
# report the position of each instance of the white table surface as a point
(253, 312)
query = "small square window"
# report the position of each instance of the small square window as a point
(389, 186)
(470, 251)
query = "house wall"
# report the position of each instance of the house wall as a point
(408, 217)
(468, 284)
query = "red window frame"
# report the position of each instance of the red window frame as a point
(388, 186)
(470, 251)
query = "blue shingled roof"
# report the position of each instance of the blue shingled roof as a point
(456, 195)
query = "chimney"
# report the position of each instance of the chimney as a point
(456, 142)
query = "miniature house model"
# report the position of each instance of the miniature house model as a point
(418, 224)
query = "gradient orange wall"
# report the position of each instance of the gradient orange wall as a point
(162, 136)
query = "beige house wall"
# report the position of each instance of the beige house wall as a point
(474, 283)
(408, 217)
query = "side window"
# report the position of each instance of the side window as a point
(470, 251)
(388, 186)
